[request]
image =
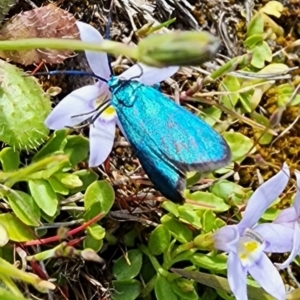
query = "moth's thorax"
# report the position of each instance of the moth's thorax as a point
(124, 91)
(113, 83)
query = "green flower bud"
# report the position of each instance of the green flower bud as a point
(178, 48)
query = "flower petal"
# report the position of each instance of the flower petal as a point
(98, 61)
(286, 216)
(267, 276)
(226, 238)
(296, 248)
(278, 238)
(148, 75)
(237, 275)
(78, 102)
(263, 197)
(296, 203)
(121, 128)
(102, 136)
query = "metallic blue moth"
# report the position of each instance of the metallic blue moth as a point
(168, 140)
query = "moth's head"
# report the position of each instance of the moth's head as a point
(113, 83)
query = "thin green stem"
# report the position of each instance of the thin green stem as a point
(110, 47)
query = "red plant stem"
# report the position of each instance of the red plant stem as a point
(37, 68)
(70, 232)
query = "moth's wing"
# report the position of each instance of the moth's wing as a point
(162, 174)
(156, 123)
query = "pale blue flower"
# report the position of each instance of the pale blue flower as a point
(246, 242)
(88, 98)
(290, 218)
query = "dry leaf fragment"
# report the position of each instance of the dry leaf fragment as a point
(44, 22)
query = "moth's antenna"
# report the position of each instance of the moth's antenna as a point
(107, 32)
(68, 72)
(101, 108)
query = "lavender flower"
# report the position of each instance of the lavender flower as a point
(290, 218)
(246, 243)
(73, 109)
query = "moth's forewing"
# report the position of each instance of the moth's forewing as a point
(168, 139)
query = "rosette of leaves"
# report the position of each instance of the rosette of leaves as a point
(50, 178)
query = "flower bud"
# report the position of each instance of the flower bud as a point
(178, 48)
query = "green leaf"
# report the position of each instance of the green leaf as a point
(171, 207)
(230, 84)
(129, 238)
(261, 53)
(55, 144)
(77, 149)
(163, 289)
(239, 145)
(102, 193)
(17, 231)
(256, 25)
(96, 231)
(10, 159)
(215, 203)
(180, 231)
(147, 271)
(190, 215)
(208, 221)
(4, 238)
(92, 243)
(211, 115)
(185, 289)
(68, 180)
(23, 109)
(57, 186)
(159, 240)
(24, 207)
(229, 191)
(263, 138)
(130, 267)
(87, 177)
(44, 196)
(273, 8)
(6, 295)
(283, 94)
(209, 294)
(253, 40)
(211, 261)
(126, 289)
(221, 283)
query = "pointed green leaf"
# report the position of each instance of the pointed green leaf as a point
(24, 207)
